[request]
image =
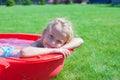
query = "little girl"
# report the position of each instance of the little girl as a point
(56, 38)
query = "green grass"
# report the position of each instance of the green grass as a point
(99, 25)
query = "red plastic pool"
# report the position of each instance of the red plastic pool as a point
(43, 67)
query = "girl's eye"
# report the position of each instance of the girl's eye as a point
(59, 42)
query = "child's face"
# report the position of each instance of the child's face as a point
(54, 38)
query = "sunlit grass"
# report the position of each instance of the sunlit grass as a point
(99, 25)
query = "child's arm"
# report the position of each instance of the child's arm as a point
(74, 43)
(35, 51)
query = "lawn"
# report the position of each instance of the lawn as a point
(99, 25)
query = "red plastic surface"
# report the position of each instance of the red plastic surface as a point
(43, 67)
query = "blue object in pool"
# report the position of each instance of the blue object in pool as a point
(7, 50)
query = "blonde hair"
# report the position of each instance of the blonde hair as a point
(66, 27)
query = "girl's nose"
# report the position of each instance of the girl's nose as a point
(53, 42)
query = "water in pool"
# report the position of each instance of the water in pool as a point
(17, 43)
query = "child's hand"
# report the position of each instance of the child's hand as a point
(65, 52)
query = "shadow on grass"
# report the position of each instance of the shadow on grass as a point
(114, 5)
(111, 5)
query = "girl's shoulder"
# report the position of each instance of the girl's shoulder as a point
(37, 43)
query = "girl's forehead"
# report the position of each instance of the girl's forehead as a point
(58, 33)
